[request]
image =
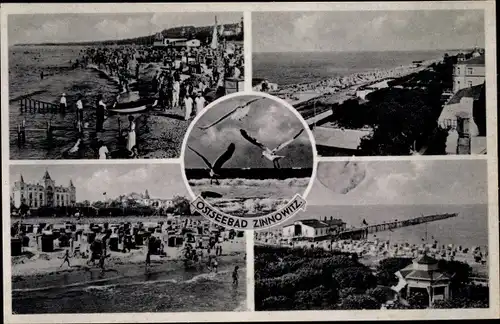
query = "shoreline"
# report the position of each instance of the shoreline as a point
(343, 86)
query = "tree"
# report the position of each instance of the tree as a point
(388, 267)
(380, 294)
(359, 302)
(181, 205)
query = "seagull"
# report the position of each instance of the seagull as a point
(218, 163)
(268, 153)
(236, 114)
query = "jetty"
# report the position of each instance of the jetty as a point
(361, 233)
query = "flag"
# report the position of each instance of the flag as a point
(215, 42)
(364, 222)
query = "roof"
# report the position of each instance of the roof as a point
(340, 138)
(426, 275)
(425, 259)
(313, 223)
(471, 92)
(334, 222)
(478, 60)
(46, 175)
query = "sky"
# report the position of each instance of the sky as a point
(438, 182)
(267, 121)
(40, 28)
(367, 30)
(91, 180)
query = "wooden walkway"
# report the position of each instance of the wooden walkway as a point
(362, 232)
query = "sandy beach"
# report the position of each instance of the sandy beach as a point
(37, 274)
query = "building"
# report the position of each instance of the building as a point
(425, 276)
(464, 116)
(469, 73)
(313, 229)
(144, 199)
(43, 194)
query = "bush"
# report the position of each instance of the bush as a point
(275, 303)
(388, 267)
(380, 294)
(359, 302)
(359, 278)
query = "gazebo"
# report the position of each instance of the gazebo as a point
(425, 276)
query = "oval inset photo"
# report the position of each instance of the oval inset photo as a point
(249, 155)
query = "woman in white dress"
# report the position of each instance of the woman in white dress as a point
(131, 133)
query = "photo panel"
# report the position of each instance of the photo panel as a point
(381, 235)
(132, 246)
(116, 85)
(381, 82)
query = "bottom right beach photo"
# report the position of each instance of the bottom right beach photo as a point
(381, 235)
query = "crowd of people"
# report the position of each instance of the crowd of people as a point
(172, 78)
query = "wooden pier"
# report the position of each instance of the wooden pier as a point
(29, 105)
(33, 106)
(362, 232)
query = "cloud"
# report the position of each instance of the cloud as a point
(54, 27)
(115, 28)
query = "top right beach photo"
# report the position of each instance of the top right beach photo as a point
(378, 83)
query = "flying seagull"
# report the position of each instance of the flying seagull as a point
(268, 153)
(215, 168)
(236, 114)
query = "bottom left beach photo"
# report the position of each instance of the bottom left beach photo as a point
(103, 238)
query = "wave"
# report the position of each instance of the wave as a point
(290, 182)
(250, 206)
(92, 284)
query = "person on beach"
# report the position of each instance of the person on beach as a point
(66, 259)
(188, 105)
(235, 275)
(215, 264)
(148, 259)
(79, 110)
(200, 103)
(63, 103)
(134, 153)
(100, 112)
(103, 151)
(176, 89)
(131, 133)
(101, 262)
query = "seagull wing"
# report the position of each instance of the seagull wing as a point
(224, 157)
(282, 145)
(202, 157)
(220, 119)
(252, 140)
(237, 112)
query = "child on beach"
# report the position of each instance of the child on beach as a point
(66, 259)
(235, 276)
(131, 133)
(148, 260)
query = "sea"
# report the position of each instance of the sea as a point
(158, 290)
(286, 68)
(469, 228)
(25, 65)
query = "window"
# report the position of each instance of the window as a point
(469, 71)
(469, 83)
(457, 70)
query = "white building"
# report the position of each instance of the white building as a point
(313, 229)
(44, 193)
(469, 73)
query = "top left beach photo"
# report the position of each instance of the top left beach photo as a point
(116, 86)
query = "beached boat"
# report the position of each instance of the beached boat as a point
(129, 103)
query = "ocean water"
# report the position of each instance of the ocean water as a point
(469, 228)
(25, 65)
(156, 291)
(305, 67)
